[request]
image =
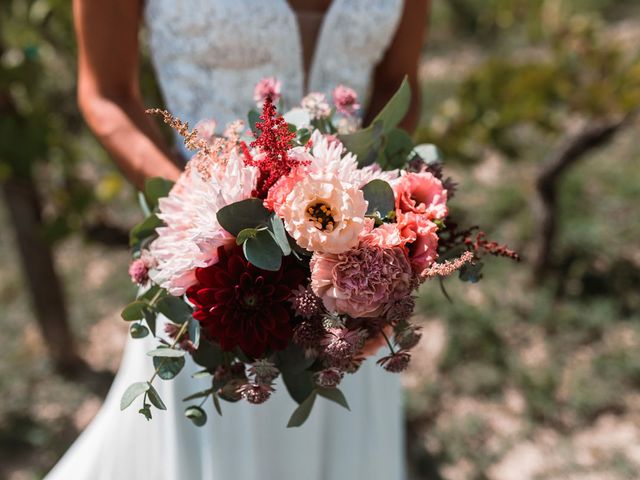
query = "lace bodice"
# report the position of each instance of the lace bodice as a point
(209, 54)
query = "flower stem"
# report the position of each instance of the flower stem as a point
(183, 329)
(393, 352)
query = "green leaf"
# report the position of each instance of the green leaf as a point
(365, 143)
(396, 108)
(155, 399)
(175, 309)
(292, 359)
(471, 272)
(144, 230)
(132, 392)
(208, 355)
(303, 411)
(156, 188)
(166, 352)
(246, 234)
(249, 213)
(280, 234)
(254, 117)
(380, 196)
(299, 385)
(398, 147)
(333, 394)
(134, 311)
(151, 292)
(197, 415)
(168, 367)
(201, 374)
(216, 403)
(138, 331)
(150, 317)
(146, 411)
(201, 394)
(263, 251)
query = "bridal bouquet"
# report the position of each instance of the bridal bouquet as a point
(292, 249)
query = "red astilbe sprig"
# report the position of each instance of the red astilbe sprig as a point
(274, 142)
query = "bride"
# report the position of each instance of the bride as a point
(208, 55)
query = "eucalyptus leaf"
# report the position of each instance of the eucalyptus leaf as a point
(208, 355)
(146, 411)
(155, 399)
(175, 309)
(249, 213)
(246, 234)
(197, 415)
(144, 206)
(168, 367)
(166, 352)
(194, 332)
(201, 374)
(280, 234)
(138, 331)
(303, 411)
(150, 317)
(335, 395)
(263, 251)
(380, 196)
(150, 293)
(293, 359)
(471, 272)
(134, 311)
(132, 392)
(429, 153)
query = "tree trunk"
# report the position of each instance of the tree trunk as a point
(555, 165)
(24, 207)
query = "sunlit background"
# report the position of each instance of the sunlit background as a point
(532, 373)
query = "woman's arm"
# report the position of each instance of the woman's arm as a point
(402, 58)
(108, 88)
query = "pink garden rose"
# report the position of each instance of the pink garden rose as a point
(362, 281)
(421, 193)
(346, 100)
(421, 235)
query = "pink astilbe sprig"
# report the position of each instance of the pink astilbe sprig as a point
(481, 244)
(448, 267)
(273, 143)
(192, 140)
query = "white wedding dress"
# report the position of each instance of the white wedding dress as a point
(208, 55)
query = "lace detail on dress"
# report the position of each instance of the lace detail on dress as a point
(209, 54)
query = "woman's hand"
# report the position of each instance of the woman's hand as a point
(108, 88)
(402, 58)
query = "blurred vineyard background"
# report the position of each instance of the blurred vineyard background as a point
(532, 373)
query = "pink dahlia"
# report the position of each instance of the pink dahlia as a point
(267, 87)
(346, 100)
(361, 281)
(421, 193)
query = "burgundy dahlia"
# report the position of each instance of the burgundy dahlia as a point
(240, 305)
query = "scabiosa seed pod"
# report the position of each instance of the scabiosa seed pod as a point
(264, 372)
(309, 333)
(329, 378)
(408, 337)
(255, 393)
(396, 362)
(305, 303)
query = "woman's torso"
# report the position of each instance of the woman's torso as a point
(209, 54)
